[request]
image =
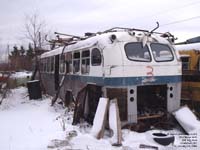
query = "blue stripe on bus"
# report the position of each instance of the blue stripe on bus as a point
(126, 81)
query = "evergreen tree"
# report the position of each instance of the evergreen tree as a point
(22, 59)
(22, 51)
(29, 52)
(14, 58)
(15, 52)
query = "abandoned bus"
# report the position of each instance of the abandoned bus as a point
(139, 68)
(190, 56)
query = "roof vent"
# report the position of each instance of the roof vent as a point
(132, 33)
(113, 37)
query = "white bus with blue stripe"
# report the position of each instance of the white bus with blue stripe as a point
(139, 68)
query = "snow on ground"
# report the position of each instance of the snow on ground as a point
(27, 124)
(19, 78)
(21, 74)
(35, 125)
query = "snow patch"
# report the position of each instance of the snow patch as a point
(35, 125)
(187, 120)
(99, 116)
(15, 97)
(23, 74)
(27, 124)
(114, 123)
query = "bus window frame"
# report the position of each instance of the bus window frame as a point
(156, 58)
(62, 62)
(48, 64)
(52, 64)
(73, 62)
(86, 59)
(69, 62)
(92, 60)
(140, 58)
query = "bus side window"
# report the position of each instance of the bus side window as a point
(68, 60)
(45, 65)
(52, 64)
(41, 65)
(48, 64)
(43, 61)
(85, 62)
(76, 62)
(96, 57)
(62, 64)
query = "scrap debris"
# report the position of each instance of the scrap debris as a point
(187, 120)
(144, 146)
(114, 121)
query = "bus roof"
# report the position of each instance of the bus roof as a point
(104, 40)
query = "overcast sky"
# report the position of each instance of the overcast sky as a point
(80, 16)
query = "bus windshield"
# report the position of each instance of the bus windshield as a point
(136, 52)
(161, 52)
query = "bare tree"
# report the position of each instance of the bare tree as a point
(35, 30)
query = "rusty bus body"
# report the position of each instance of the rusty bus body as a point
(139, 68)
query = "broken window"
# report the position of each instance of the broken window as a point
(85, 65)
(136, 52)
(96, 57)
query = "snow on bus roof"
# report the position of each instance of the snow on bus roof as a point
(79, 45)
(52, 52)
(194, 46)
(92, 41)
(100, 39)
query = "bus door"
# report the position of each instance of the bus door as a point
(56, 72)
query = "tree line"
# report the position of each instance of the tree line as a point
(21, 58)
